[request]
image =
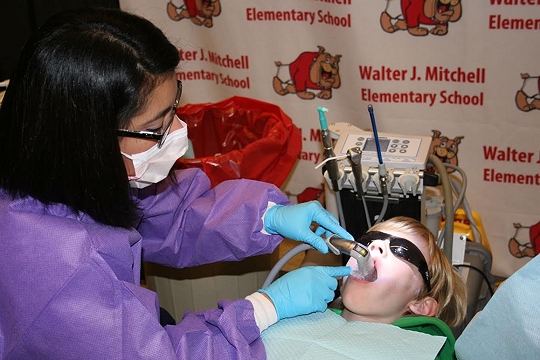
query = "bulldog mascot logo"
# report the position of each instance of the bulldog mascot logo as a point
(519, 247)
(410, 14)
(310, 71)
(528, 97)
(445, 149)
(200, 12)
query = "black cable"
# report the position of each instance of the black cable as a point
(486, 279)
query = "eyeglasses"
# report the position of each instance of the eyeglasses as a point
(159, 136)
(403, 249)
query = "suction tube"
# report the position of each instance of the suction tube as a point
(366, 268)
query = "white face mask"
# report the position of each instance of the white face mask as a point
(154, 164)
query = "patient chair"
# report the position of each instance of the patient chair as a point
(509, 325)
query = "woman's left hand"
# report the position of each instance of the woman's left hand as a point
(304, 290)
(294, 222)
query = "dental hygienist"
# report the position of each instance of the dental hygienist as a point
(90, 110)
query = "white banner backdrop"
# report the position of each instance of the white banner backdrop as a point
(465, 72)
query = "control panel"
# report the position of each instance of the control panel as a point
(398, 151)
(405, 158)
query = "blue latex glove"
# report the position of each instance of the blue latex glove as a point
(305, 290)
(294, 221)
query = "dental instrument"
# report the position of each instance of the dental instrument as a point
(366, 268)
(331, 164)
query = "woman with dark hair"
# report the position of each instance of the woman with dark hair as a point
(91, 110)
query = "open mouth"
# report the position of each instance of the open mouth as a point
(325, 75)
(364, 276)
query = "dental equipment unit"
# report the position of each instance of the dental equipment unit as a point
(370, 173)
(383, 170)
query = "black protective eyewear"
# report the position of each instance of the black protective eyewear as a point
(159, 136)
(403, 249)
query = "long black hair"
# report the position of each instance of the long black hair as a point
(82, 76)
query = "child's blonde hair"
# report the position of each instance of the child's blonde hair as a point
(447, 285)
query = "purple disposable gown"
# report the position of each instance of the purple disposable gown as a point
(69, 287)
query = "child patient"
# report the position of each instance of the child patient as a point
(414, 277)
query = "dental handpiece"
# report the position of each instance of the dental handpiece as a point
(366, 268)
(355, 155)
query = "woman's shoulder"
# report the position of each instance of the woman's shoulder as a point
(55, 231)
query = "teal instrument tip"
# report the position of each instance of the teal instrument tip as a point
(322, 117)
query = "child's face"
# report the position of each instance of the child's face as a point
(389, 297)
